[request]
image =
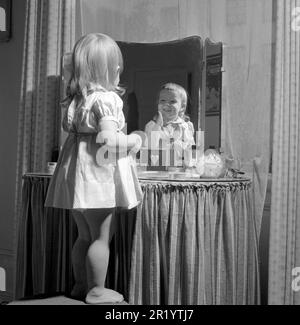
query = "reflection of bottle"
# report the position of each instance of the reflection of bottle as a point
(200, 165)
(198, 152)
(191, 159)
(55, 153)
(224, 160)
(51, 167)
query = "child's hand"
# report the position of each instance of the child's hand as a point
(136, 140)
(159, 119)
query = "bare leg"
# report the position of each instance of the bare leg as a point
(102, 225)
(79, 254)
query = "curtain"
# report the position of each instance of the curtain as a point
(285, 209)
(49, 32)
(245, 28)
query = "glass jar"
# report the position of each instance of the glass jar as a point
(211, 164)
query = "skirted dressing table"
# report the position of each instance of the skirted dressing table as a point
(191, 241)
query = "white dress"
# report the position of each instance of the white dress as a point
(79, 182)
(177, 134)
(180, 131)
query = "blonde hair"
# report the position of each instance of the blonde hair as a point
(182, 94)
(96, 59)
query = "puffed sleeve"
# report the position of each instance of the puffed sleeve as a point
(152, 126)
(68, 116)
(108, 106)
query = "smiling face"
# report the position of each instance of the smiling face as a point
(170, 105)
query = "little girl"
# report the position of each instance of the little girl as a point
(171, 125)
(92, 191)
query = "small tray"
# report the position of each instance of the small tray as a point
(39, 174)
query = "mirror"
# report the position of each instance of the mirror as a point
(188, 62)
(147, 66)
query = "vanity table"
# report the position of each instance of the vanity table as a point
(195, 243)
(191, 241)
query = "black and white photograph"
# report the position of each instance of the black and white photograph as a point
(149, 155)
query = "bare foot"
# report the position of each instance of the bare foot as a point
(103, 295)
